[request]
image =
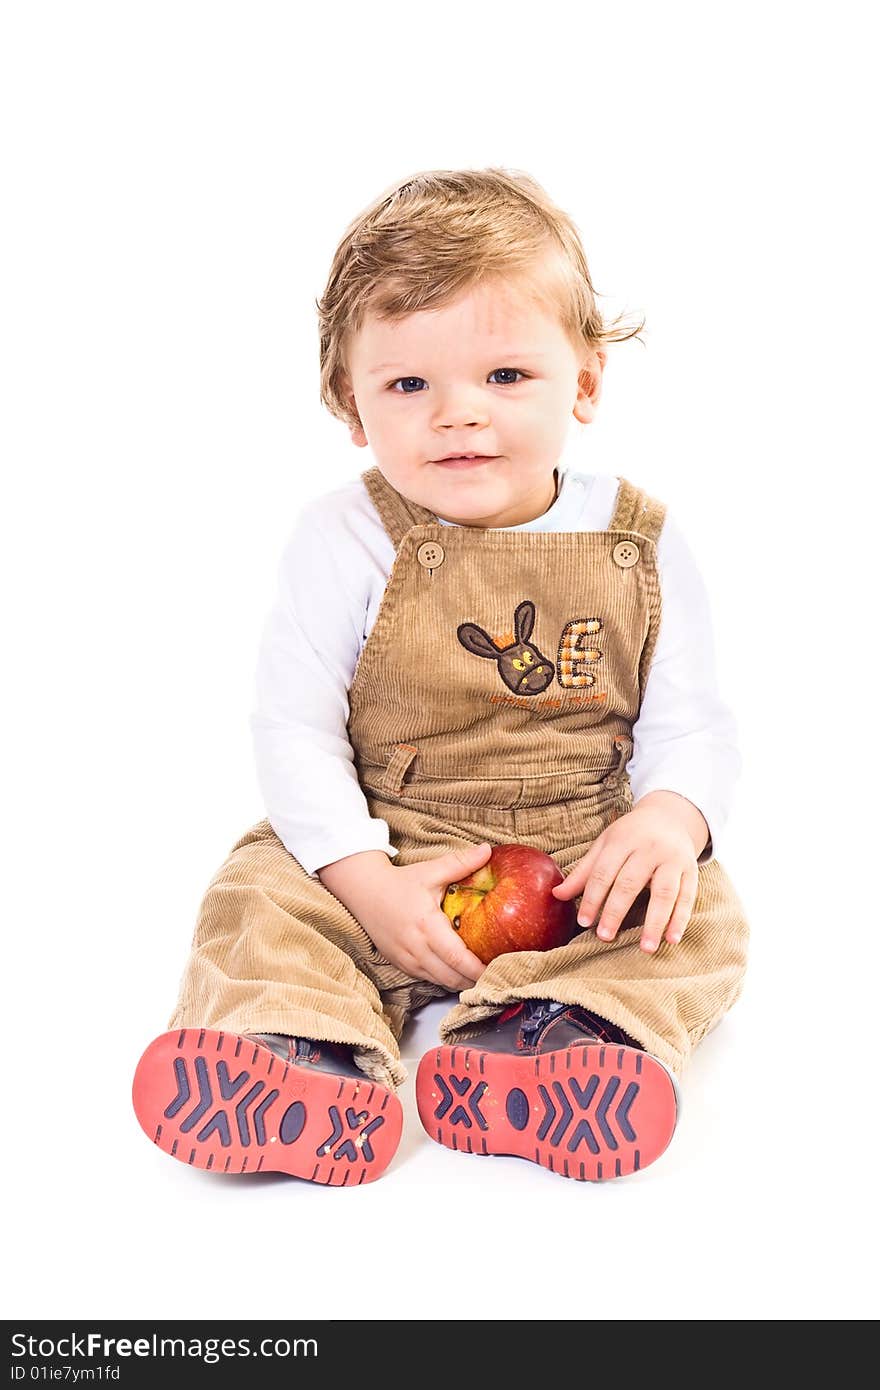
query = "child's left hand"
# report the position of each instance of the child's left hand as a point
(655, 843)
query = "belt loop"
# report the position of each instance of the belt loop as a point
(401, 758)
(624, 747)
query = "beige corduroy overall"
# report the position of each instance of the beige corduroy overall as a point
(494, 700)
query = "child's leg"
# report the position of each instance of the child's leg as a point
(667, 1001)
(282, 1054)
(588, 1090)
(275, 952)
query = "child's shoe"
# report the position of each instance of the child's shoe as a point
(551, 1083)
(264, 1102)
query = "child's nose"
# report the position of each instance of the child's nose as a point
(459, 409)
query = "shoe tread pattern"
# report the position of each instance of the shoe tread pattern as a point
(219, 1101)
(589, 1112)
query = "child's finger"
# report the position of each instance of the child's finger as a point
(601, 878)
(665, 889)
(683, 908)
(451, 953)
(570, 886)
(574, 881)
(458, 863)
(439, 973)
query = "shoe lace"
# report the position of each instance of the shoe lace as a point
(539, 1013)
(305, 1050)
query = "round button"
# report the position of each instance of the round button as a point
(625, 554)
(430, 554)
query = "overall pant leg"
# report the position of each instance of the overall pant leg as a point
(274, 951)
(667, 1000)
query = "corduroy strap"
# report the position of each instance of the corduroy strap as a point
(634, 510)
(397, 514)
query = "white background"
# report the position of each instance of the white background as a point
(175, 177)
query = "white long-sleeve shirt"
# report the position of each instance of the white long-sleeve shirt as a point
(332, 575)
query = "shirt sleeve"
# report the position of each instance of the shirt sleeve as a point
(685, 739)
(307, 655)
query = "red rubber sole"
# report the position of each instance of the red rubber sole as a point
(218, 1101)
(591, 1112)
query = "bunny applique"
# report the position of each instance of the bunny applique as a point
(523, 668)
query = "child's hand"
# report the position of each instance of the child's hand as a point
(410, 928)
(655, 843)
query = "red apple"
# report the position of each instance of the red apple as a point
(507, 905)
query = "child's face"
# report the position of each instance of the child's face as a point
(491, 374)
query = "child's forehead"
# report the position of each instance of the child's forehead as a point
(491, 310)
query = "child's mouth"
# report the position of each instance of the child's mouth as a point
(464, 460)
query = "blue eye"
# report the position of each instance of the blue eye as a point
(416, 382)
(405, 380)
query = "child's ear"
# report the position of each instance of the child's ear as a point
(590, 386)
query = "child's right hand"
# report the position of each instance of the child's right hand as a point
(401, 913)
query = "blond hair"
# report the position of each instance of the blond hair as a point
(439, 233)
